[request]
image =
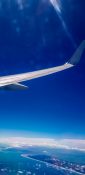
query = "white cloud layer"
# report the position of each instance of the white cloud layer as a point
(71, 144)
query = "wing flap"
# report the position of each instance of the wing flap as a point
(15, 86)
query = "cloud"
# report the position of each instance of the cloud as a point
(70, 144)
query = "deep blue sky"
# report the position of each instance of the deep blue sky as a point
(33, 37)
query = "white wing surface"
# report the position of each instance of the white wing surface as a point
(14, 81)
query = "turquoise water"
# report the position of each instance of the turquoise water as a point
(12, 163)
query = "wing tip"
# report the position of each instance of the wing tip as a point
(78, 54)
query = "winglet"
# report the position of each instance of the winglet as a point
(77, 55)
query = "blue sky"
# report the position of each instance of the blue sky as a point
(32, 37)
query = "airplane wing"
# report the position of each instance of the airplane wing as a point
(13, 81)
(16, 86)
